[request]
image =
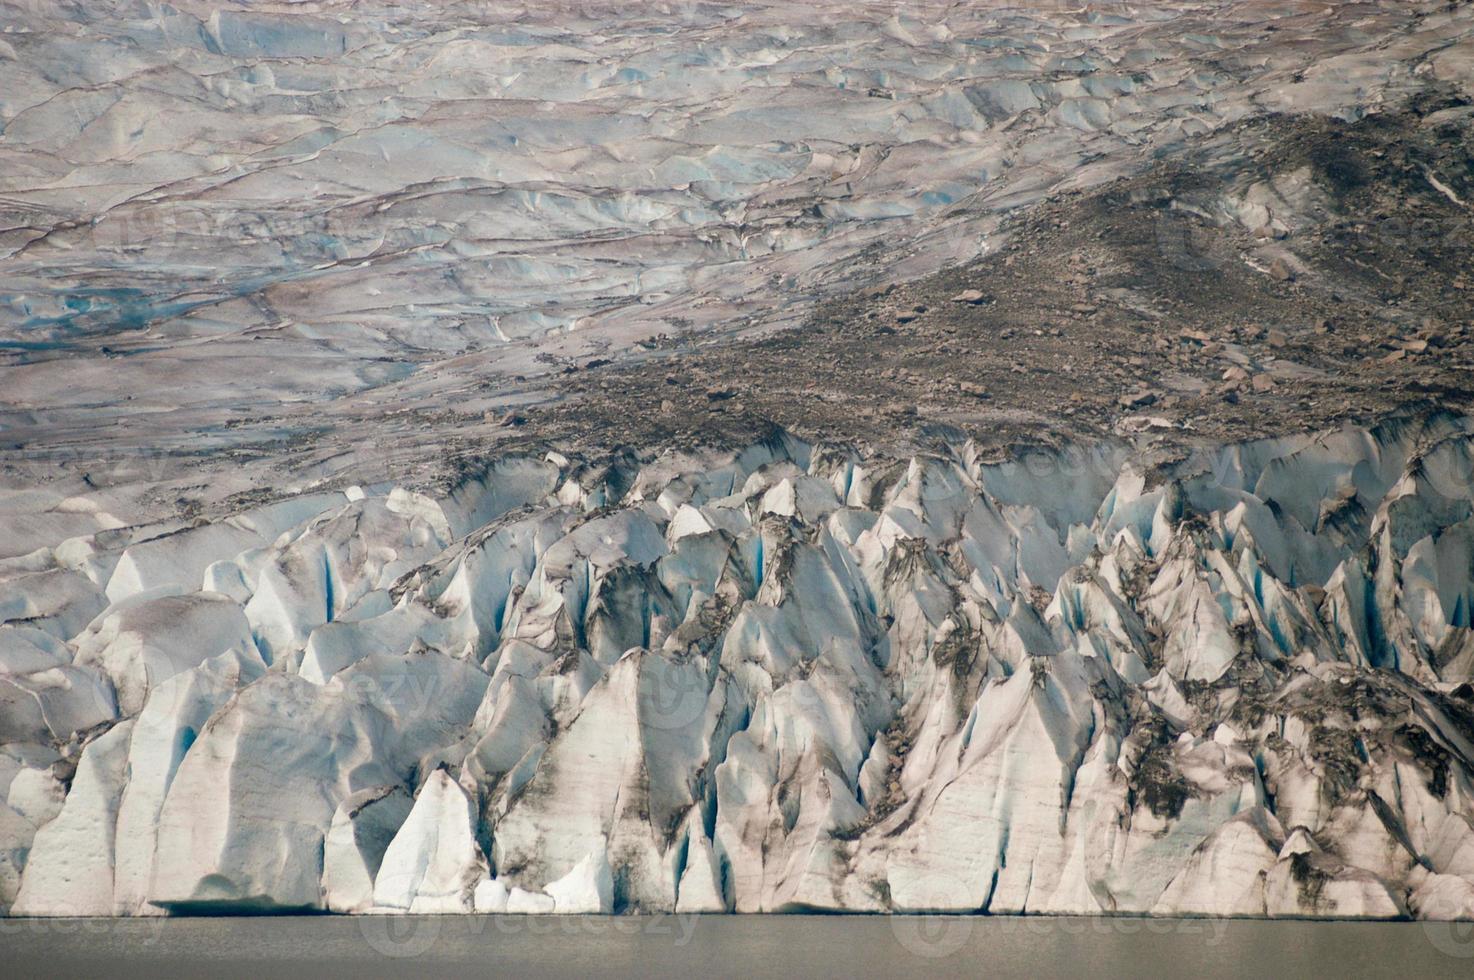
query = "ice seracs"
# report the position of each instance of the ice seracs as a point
(72, 855)
(586, 889)
(1226, 873)
(790, 678)
(143, 642)
(245, 817)
(434, 863)
(353, 851)
(163, 733)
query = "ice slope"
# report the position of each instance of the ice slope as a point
(789, 678)
(249, 224)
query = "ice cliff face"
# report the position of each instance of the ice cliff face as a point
(793, 678)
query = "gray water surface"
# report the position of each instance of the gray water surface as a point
(689, 946)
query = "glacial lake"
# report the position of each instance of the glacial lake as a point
(688, 946)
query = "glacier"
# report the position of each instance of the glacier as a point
(242, 242)
(300, 613)
(792, 677)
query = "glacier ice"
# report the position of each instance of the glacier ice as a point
(353, 851)
(794, 677)
(249, 223)
(72, 854)
(292, 263)
(433, 864)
